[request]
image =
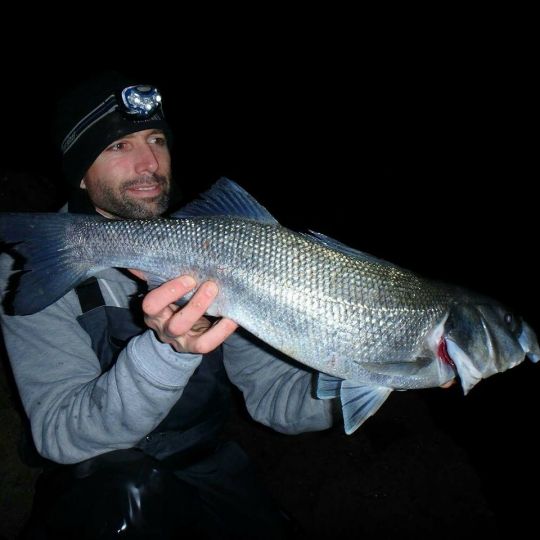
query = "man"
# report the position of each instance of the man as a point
(133, 407)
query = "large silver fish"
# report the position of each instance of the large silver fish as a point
(366, 325)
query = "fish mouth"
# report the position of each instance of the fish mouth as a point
(480, 342)
(470, 375)
(529, 343)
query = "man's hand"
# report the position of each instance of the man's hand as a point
(185, 329)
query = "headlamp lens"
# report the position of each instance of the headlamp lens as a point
(141, 100)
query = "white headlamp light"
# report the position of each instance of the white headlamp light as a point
(140, 100)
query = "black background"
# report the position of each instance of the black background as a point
(418, 154)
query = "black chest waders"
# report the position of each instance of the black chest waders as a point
(179, 481)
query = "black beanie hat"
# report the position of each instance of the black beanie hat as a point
(95, 114)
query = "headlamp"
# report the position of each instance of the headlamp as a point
(140, 100)
(138, 103)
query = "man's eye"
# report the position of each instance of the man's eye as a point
(116, 147)
(159, 140)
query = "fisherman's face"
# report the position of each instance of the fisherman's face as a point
(131, 178)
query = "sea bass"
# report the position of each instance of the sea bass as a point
(365, 325)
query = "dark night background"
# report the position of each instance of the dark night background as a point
(416, 155)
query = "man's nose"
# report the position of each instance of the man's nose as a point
(147, 160)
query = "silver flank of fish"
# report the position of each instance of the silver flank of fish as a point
(325, 308)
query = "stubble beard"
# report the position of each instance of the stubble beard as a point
(119, 202)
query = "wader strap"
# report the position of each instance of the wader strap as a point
(89, 294)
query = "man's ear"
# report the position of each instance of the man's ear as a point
(82, 185)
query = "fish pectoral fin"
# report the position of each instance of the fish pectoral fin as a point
(327, 386)
(359, 402)
(399, 369)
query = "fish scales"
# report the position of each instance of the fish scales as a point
(323, 303)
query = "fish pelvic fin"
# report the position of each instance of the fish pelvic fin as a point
(358, 401)
(50, 267)
(226, 198)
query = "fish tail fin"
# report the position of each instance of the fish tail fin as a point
(51, 267)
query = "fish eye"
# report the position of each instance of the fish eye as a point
(512, 322)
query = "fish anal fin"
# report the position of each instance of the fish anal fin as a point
(327, 386)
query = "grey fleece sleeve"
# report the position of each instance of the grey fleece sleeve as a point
(75, 411)
(277, 391)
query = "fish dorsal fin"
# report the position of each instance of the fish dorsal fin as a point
(359, 402)
(226, 198)
(343, 248)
